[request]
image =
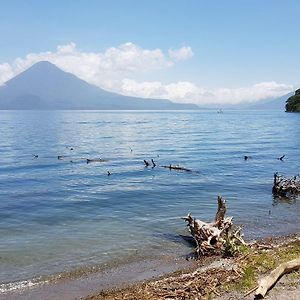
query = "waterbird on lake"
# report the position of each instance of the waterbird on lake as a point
(281, 157)
(35, 155)
(246, 157)
(60, 157)
(108, 173)
(146, 163)
(153, 163)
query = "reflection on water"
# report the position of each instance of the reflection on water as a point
(285, 200)
(61, 214)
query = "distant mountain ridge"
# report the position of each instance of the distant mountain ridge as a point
(272, 103)
(277, 103)
(45, 86)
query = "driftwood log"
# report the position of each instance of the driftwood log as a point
(269, 281)
(178, 168)
(170, 166)
(91, 160)
(286, 187)
(217, 236)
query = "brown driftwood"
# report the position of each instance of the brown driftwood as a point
(214, 237)
(90, 160)
(269, 281)
(286, 187)
(178, 168)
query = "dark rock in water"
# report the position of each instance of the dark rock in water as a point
(189, 239)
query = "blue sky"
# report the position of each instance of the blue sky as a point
(228, 48)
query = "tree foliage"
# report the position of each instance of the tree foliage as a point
(293, 102)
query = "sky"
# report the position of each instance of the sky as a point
(204, 52)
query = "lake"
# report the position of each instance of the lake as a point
(65, 215)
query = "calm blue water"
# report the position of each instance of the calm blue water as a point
(57, 215)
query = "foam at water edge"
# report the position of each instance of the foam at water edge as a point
(21, 285)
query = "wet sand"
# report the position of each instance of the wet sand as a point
(117, 277)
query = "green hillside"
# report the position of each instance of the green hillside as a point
(293, 103)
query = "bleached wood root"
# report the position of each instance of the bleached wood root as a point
(286, 187)
(269, 281)
(214, 237)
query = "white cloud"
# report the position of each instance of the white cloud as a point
(6, 72)
(100, 68)
(253, 93)
(118, 68)
(145, 89)
(182, 53)
(184, 91)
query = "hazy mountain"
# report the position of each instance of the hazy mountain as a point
(271, 103)
(45, 86)
(274, 103)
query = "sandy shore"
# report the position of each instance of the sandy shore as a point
(119, 276)
(219, 278)
(131, 281)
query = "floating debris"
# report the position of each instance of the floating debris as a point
(178, 168)
(91, 160)
(286, 187)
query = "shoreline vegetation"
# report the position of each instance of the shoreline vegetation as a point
(293, 102)
(216, 277)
